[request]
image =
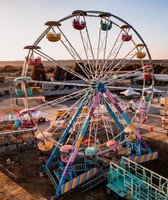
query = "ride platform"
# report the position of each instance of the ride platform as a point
(130, 179)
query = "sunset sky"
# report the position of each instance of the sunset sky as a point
(22, 21)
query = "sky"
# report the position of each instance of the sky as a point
(22, 21)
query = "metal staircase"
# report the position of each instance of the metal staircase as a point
(130, 178)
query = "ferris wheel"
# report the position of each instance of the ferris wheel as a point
(105, 53)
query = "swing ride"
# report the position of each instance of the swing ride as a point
(97, 125)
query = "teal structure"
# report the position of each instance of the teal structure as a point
(132, 181)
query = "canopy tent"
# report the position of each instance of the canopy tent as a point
(150, 89)
(35, 113)
(129, 92)
(156, 90)
(26, 110)
(38, 113)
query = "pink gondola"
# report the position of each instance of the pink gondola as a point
(126, 37)
(112, 143)
(28, 123)
(35, 61)
(64, 158)
(147, 72)
(64, 152)
(147, 76)
(78, 25)
(66, 148)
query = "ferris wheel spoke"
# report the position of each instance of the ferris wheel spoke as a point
(61, 66)
(126, 57)
(66, 115)
(88, 60)
(102, 47)
(63, 83)
(42, 35)
(107, 126)
(121, 63)
(98, 51)
(26, 63)
(115, 49)
(112, 55)
(121, 77)
(66, 43)
(88, 49)
(63, 99)
(24, 70)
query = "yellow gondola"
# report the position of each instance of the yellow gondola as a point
(52, 37)
(45, 146)
(140, 55)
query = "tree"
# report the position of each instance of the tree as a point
(58, 74)
(38, 73)
(2, 79)
(79, 70)
(49, 69)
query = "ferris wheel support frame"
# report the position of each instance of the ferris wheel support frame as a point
(77, 144)
(100, 90)
(127, 120)
(61, 140)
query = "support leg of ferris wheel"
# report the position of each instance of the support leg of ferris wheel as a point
(61, 140)
(127, 120)
(77, 144)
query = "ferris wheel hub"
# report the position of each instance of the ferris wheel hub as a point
(101, 87)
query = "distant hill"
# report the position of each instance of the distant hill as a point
(19, 63)
(12, 63)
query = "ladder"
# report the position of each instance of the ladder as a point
(51, 177)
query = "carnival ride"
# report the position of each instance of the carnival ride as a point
(98, 124)
(17, 128)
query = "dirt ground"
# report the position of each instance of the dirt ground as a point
(22, 181)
